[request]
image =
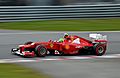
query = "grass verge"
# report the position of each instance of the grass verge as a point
(17, 71)
(111, 24)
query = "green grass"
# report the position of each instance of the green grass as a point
(17, 71)
(112, 24)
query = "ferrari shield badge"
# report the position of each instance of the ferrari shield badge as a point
(51, 45)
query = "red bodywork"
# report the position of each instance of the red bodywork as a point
(67, 47)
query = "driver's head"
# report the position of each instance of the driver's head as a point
(66, 35)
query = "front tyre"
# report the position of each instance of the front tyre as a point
(99, 49)
(40, 51)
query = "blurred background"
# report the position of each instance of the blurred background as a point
(52, 2)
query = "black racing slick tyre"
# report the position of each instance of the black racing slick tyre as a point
(99, 49)
(40, 51)
(29, 42)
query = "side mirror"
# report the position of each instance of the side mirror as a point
(50, 40)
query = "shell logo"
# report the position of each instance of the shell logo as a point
(67, 46)
(51, 45)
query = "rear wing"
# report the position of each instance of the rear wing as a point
(98, 36)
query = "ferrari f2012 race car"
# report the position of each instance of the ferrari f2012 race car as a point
(73, 45)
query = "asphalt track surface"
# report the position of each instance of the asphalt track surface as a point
(86, 68)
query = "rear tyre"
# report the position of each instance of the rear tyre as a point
(99, 49)
(40, 51)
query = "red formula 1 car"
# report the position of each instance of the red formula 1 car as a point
(74, 45)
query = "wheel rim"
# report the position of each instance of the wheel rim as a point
(42, 51)
(100, 49)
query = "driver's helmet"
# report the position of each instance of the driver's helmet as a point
(66, 35)
(61, 40)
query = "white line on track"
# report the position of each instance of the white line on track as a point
(19, 60)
